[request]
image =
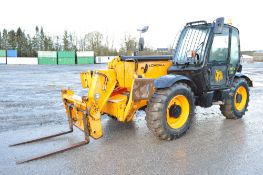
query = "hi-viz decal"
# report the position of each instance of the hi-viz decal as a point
(218, 75)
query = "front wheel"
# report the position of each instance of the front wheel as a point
(237, 101)
(169, 111)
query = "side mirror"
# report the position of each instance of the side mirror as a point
(141, 44)
(219, 25)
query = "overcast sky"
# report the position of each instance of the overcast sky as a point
(117, 17)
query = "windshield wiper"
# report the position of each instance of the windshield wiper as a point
(199, 46)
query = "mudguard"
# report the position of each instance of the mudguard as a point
(170, 79)
(240, 75)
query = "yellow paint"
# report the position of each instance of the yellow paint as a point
(218, 75)
(115, 106)
(85, 78)
(101, 83)
(181, 101)
(243, 92)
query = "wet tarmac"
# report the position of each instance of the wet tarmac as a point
(30, 106)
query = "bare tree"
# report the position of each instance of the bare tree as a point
(129, 45)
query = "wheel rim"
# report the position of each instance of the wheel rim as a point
(240, 98)
(174, 119)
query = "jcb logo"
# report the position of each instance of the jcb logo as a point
(218, 75)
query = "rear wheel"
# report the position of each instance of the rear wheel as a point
(169, 111)
(236, 104)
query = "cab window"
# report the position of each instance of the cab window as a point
(219, 48)
(234, 54)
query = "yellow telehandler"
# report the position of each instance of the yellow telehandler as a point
(205, 70)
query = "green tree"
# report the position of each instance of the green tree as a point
(48, 43)
(19, 41)
(57, 45)
(28, 46)
(35, 40)
(23, 42)
(41, 39)
(4, 39)
(11, 39)
(29, 51)
(66, 41)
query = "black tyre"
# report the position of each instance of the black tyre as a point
(236, 104)
(169, 111)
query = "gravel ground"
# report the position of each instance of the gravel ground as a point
(30, 106)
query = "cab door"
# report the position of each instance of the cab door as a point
(234, 61)
(218, 60)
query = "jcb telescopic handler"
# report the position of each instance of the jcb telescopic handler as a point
(204, 71)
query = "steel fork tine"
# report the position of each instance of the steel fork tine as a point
(41, 138)
(75, 145)
(53, 152)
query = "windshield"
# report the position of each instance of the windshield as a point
(192, 38)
